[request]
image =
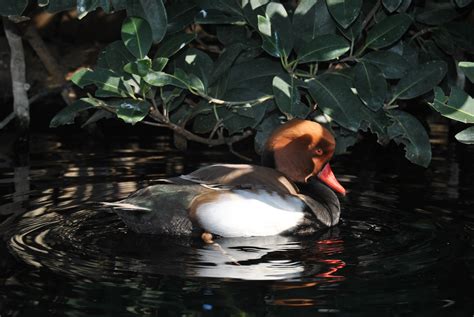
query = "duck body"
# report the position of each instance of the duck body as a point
(230, 200)
(291, 194)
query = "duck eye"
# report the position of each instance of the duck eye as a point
(318, 151)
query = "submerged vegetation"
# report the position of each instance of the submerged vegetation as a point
(219, 71)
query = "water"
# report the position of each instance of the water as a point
(404, 246)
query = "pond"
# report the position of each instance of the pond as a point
(404, 245)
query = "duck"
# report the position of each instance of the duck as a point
(293, 192)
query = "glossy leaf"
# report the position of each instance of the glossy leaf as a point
(175, 43)
(154, 12)
(104, 79)
(257, 73)
(466, 136)
(462, 3)
(287, 98)
(377, 122)
(99, 115)
(85, 6)
(334, 97)
(180, 14)
(258, 3)
(198, 63)
(136, 35)
(438, 15)
(420, 80)
(323, 48)
(69, 113)
(391, 5)
(116, 56)
(406, 129)
(140, 67)
(12, 7)
(310, 19)
(264, 129)
(468, 69)
(344, 11)
(459, 106)
(160, 79)
(392, 65)
(354, 31)
(131, 110)
(371, 85)
(231, 34)
(217, 17)
(388, 31)
(276, 30)
(225, 60)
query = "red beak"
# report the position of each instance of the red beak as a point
(327, 177)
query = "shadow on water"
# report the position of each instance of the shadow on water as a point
(404, 245)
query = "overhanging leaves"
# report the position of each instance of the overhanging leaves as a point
(459, 106)
(371, 85)
(388, 31)
(466, 136)
(406, 129)
(344, 11)
(323, 48)
(287, 97)
(136, 35)
(67, 114)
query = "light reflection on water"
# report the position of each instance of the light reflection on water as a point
(404, 245)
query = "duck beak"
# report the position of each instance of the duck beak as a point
(327, 177)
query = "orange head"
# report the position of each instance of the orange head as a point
(301, 149)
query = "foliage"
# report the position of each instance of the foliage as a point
(224, 67)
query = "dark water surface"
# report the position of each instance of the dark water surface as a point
(404, 247)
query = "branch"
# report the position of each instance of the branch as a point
(21, 106)
(370, 15)
(164, 122)
(235, 103)
(7, 120)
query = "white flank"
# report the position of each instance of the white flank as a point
(242, 213)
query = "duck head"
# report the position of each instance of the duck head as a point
(301, 149)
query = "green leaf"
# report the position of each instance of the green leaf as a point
(312, 18)
(437, 15)
(180, 15)
(391, 5)
(461, 34)
(377, 122)
(69, 113)
(354, 31)
(371, 85)
(61, 5)
(459, 106)
(99, 115)
(116, 56)
(160, 79)
(85, 6)
(231, 34)
(257, 74)
(225, 60)
(323, 48)
(344, 11)
(159, 63)
(131, 110)
(388, 31)
(136, 35)
(406, 129)
(334, 97)
(154, 12)
(12, 7)
(172, 45)
(468, 69)
(392, 65)
(420, 80)
(344, 140)
(197, 63)
(104, 79)
(466, 136)
(463, 3)
(217, 17)
(258, 3)
(288, 98)
(276, 30)
(264, 129)
(140, 67)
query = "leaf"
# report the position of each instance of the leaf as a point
(136, 35)
(116, 56)
(231, 34)
(159, 63)
(99, 115)
(466, 136)
(276, 30)
(344, 140)
(225, 60)
(131, 110)
(459, 106)
(311, 18)
(437, 15)
(160, 79)
(388, 31)
(371, 85)
(335, 98)
(406, 129)
(197, 63)
(257, 73)
(69, 113)
(461, 34)
(468, 69)
(392, 65)
(140, 67)
(173, 44)
(104, 79)
(217, 17)
(288, 98)
(420, 80)
(264, 129)
(462, 3)
(12, 7)
(180, 15)
(85, 6)
(344, 11)
(60, 5)
(353, 32)
(391, 5)
(377, 122)
(258, 3)
(323, 48)
(154, 12)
